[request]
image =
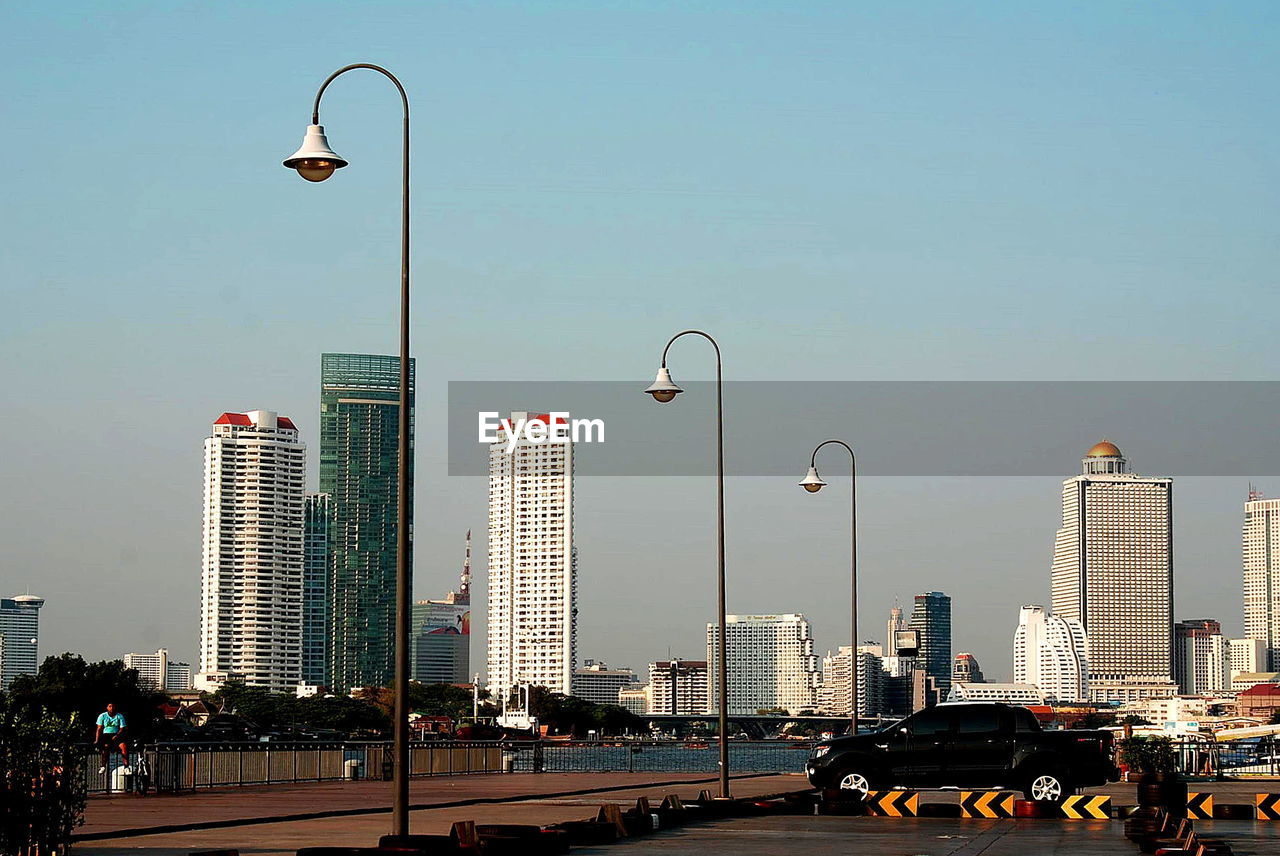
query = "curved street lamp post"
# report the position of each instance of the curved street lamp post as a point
(664, 389)
(813, 483)
(315, 161)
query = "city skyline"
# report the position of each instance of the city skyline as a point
(1098, 186)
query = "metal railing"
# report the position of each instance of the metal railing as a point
(182, 767)
(179, 767)
(635, 756)
(1205, 759)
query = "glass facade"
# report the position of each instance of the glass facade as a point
(932, 618)
(359, 460)
(317, 522)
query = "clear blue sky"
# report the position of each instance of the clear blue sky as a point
(838, 191)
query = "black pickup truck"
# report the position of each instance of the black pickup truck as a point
(979, 745)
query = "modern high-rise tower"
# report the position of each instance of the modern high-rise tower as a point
(533, 576)
(251, 585)
(1051, 653)
(359, 465)
(316, 532)
(771, 663)
(1113, 573)
(1261, 533)
(19, 636)
(931, 618)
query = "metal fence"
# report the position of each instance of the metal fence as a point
(175, 768)
(1205, 759)
(745, 756)
(187, 767)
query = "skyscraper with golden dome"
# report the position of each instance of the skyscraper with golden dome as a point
(1113, 573)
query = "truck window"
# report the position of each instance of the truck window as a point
(1024, 720)
(930, 722)
(979, 720)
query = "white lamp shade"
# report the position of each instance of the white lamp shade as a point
(315, 147)
(813, 482)
(663, 387)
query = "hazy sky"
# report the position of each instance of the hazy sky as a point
(871, 191)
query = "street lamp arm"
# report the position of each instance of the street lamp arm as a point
(811, 481)
(813, 460)
(706, 336)
(404, 97)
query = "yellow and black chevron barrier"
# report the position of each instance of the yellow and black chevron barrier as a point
(1087, 808)
(987, 803)
(1268, 806)
(1200, 806)
(892, 803)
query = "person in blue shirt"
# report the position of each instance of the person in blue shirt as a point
(110, 735)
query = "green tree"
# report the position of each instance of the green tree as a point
(571, 715)
(42, 794)
(69, 687)
(446, 700)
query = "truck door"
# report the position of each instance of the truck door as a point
(979, 749)
(926, 745)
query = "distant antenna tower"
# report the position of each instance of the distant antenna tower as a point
(466, 570)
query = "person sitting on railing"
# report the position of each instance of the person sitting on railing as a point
(110, 735)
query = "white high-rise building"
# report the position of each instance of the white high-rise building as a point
(771, 663)
(251, 586)
(1051, 653)
(19, 636)
(1246, 656)
(896, 622)
(1113, 573)
(533, 575)
(159, 672)
(1201, 657)
(1261, 537)
(833, 694)
(678, 687)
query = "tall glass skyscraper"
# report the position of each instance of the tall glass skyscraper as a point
(359, 461)
(932, 619)
(316, 525)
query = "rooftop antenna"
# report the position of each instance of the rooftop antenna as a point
(466, 570)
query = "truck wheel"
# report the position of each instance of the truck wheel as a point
(1047, 786)
(854, 780)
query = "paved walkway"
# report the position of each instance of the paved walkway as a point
(240, 818)
(885, 836)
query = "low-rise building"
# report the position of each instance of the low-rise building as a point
(158, 672)
(1246, 680)
(597, 683)
(1259, 700)
(635, 699)
(1007, 693)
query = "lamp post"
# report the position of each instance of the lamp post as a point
(664, 389)
(315, 161)
(813, 483)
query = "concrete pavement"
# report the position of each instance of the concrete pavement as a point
(252, 820)
(485, 804)
(884, 836)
